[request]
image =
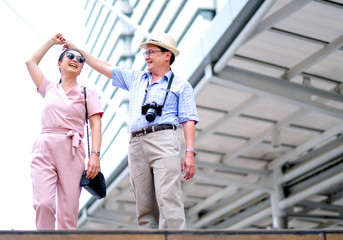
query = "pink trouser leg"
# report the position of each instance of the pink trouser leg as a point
(44, 195)
(68, 190)
(53, 168)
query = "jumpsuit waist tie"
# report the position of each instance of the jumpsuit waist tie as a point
(75, 136)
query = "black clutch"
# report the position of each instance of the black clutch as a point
(95, 186)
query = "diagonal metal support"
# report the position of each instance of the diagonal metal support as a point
(307, 145)
(226, 118)
(324, 206)
(259, 172)
(278, 89)
(314, 58)
(260, 183)
(278, 16)
(261, 136)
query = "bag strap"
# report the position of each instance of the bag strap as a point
(85, 96)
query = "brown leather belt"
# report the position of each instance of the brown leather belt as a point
(150, 129)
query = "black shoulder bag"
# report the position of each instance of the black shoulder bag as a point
(97, 185)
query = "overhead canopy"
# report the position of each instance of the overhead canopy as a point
(268, 87)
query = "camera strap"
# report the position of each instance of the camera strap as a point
(167, 91)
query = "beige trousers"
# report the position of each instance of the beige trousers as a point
(155, 171)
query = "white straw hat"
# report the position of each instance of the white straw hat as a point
(162, 40)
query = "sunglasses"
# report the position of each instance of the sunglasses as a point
(71, 56)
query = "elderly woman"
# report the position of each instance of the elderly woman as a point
(58, 154)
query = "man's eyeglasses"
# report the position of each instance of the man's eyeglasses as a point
(71, 56)
(150, 51)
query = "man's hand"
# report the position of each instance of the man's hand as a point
(188, 165)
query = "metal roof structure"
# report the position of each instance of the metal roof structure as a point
(268, 82)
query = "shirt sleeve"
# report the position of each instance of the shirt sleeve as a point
(124, 78)
(187, 106)
(121, 78)
(93, 103)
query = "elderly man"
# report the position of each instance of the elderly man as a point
(159, 101)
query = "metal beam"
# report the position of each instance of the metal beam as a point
(251, 219)
(211, 165)
(225, 209)
(212, 200)
(314, 58)
(278, 89)
(290, 201)
(226, 118)
(242, 216)
(314, 159)
(243, 35)
(218, 38)
(322, 205)
(313, 217)
(261, 183)
(278, 16)
(262, 135)
(278, 214)
(123, 224)
(110, 214)
(305, 146)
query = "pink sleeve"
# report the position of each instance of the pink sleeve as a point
(43, 87)
(93, 103)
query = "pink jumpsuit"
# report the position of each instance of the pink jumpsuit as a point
(59, 156)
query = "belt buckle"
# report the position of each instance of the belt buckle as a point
(141, 133)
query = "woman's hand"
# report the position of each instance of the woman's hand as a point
(34, 60)
(93, 167)
(58, 39)
(97, 64)
(69, 45)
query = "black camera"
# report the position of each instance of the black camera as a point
(151, 110)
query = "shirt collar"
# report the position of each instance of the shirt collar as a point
(148, 76)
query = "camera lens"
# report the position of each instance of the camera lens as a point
(150, 114)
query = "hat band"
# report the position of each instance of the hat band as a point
(153, 40)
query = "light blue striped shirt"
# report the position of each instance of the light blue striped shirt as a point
(180, 104)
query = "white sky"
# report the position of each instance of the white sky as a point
(20, 103)
(25, 25)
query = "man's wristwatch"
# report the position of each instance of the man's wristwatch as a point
(96, 152)
(191, 150)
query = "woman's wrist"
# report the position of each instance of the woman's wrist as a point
(96, 153)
